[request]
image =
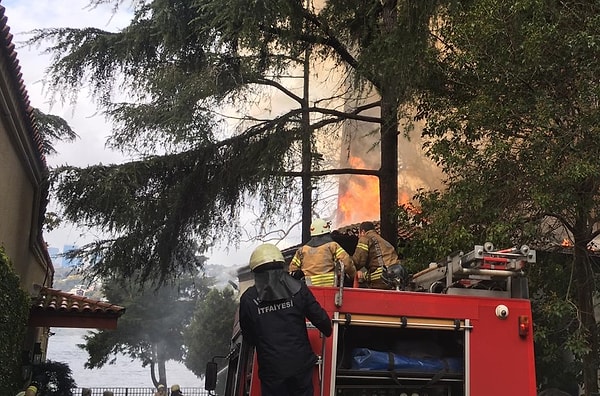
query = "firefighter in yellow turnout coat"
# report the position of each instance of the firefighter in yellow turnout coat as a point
(317, 258)
(373, 253)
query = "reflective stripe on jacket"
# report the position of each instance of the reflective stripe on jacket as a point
(327, 279)
(368, 255)
(318, 262)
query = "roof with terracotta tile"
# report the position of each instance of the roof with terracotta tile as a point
(347, 237)
(56, 308)
(54, 299)
(352, 229)
(7, 47)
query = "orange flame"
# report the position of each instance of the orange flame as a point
(566, 243)
(358, 198)
(359, 201)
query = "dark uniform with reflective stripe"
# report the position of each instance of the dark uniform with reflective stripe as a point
(278, 330)
(372, 252)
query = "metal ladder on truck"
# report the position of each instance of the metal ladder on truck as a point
(482, 271)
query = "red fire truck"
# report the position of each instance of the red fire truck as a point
(460, 327)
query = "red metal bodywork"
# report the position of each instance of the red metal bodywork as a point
(498, 361)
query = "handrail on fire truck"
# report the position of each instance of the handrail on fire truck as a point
(339, 283)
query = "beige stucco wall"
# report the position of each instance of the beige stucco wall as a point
(16, 198)
(21, 176)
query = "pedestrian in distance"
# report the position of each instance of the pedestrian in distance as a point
(86, 392)
(108, 393)
(273, 316)
(176, 390)
(316, 259)
(373, 257)
(160, 390)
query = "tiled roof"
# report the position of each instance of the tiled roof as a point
(347, 237)
(352, 230)
(56, 308)
(54, 299)
(18, 86)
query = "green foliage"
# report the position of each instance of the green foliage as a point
(14, 314)
(514, 124)
(151, 330)
(210, 330)
(559, 340)
(52, 128)
(159, 208)
(184, 64)
(54, 379)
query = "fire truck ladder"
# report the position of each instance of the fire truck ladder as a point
(482, 271)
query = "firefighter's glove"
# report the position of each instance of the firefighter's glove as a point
(297, 274)
(362, 275)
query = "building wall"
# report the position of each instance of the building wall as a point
(23, 181)
(17, 194)
(22, 176)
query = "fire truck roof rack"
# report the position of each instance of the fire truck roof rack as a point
(482, 271)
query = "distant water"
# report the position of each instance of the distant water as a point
(62, 347)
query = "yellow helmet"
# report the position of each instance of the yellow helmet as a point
(319, 227)
(174, 388)
(264, 254)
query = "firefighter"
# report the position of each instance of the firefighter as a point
(273, 316)
(176, 390)
(317, 258)
(373, 255)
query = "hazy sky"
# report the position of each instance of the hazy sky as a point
(24, 16)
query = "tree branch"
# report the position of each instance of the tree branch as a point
(272, 83)
(340, 171)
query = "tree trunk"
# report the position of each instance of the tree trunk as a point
(155, 381)
(162, 369)
(158, 361)
(584, 292)
(306, 155)
(388, 173)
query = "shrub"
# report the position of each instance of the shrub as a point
(14, 314)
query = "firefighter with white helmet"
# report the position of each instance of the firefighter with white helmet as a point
(273, 316)
(317, 258)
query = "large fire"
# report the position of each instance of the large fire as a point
(358, 199)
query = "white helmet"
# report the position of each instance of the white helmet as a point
(264, 254)
(319, 227)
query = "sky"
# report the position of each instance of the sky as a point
(83, 117)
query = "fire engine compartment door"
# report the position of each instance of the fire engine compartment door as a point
(379, 333)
